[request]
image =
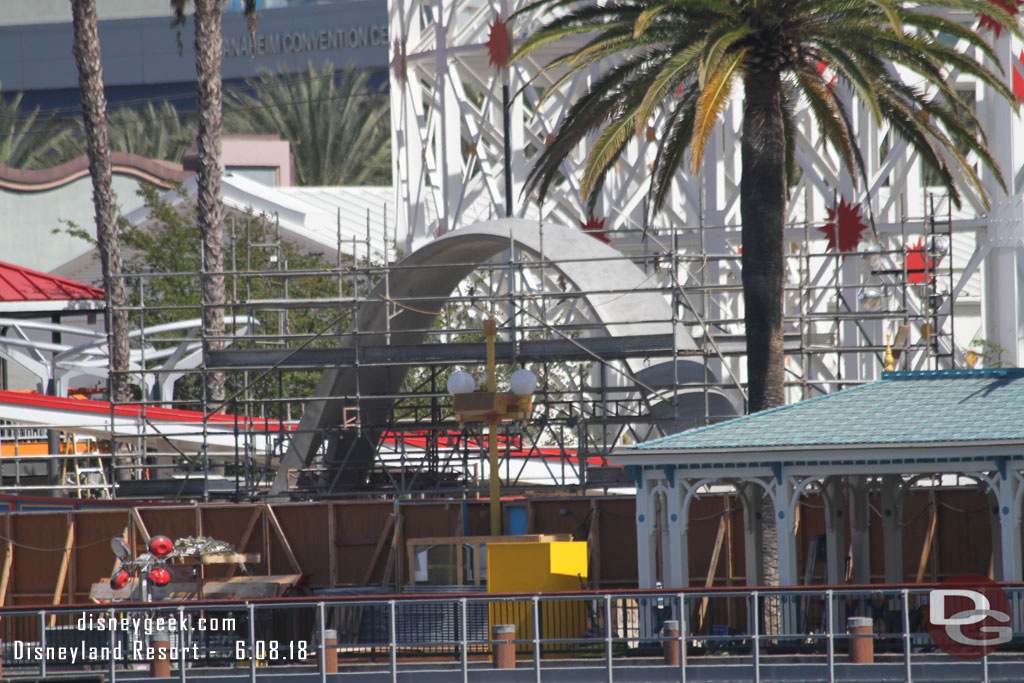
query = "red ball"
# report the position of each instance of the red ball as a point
(159, 576)
(160, 546)
(119, 580)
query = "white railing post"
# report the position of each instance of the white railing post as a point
(322, 626)
(906, 636)
(42, 643)
(252, 643)
(536, 636)
(181, 644)
(110, 640)
(464, 624)
(829, 634)
(684, 630)
(608, 634)
(394, 642)
(756, 635)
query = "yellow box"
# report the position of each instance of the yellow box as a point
(533, 568)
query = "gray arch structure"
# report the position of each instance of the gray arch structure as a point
(431, 274)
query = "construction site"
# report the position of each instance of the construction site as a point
(338, 463)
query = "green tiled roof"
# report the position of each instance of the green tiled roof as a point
(903, 407)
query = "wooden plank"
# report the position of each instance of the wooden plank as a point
(594, 543)
(229, 558)
(368, 574)
(272, 518)
(5, 574)
(62, 573)
(394, 561)
(140, 526)
(928, 539)
(249, 527)
(709, 580)
(332, 560)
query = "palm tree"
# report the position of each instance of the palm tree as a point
(155, 132)
(26, 140)
(209, 48)
(90, 78)
(151, 131)
(701, 49)
(337, 125)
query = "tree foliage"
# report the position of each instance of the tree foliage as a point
(163, 256)
(337, 125)
(28, 140)
(154, 131)
(685, 59)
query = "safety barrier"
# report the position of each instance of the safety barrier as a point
(828, 633)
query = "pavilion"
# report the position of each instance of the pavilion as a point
(883, 437)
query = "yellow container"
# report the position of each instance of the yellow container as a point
(538, 567)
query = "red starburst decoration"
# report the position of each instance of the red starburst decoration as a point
(845, 227)
(595, 228)
(918, 264)
(499, 44)
(1011, 6)
(398, 60)
(1018, 79)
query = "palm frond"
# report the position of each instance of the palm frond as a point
(712, 101)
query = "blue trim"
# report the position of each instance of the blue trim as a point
(953, 374)
(670, 474)
(776, 471)
(1001, 465)
(637, 473)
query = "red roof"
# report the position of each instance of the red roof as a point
(23, 284)
(34, 400)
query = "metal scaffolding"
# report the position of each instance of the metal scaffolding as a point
(619, 362)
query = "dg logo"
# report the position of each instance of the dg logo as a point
(969, 616)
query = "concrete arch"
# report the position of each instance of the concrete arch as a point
(431, 274)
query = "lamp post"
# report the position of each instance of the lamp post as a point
(492, 408)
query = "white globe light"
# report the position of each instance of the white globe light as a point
(461, 382)
(938, 247)
(872, 253)
(522, 382)
(870, 298)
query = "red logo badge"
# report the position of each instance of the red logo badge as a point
(969, 616)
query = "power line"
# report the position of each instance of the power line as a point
(59, 124)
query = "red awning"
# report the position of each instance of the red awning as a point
(24, 290)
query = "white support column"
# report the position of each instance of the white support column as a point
(406, 126)
(1002, 300)
(645, 529)
(449, 140)
(860, 530)
(892, 527)
(835, 532)
(785, 525)
(1009, 525)
(751, 495)
(1005, 234)
(676, 559)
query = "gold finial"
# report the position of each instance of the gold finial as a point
(890, 360)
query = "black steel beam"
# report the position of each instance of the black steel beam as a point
(608, 348)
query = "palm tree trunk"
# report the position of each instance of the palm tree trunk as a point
(763, 207)
(209, 48)
(763, 211)
(94, 114)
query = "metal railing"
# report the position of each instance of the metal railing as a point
(798, 634)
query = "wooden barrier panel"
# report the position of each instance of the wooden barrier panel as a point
(363, 542)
